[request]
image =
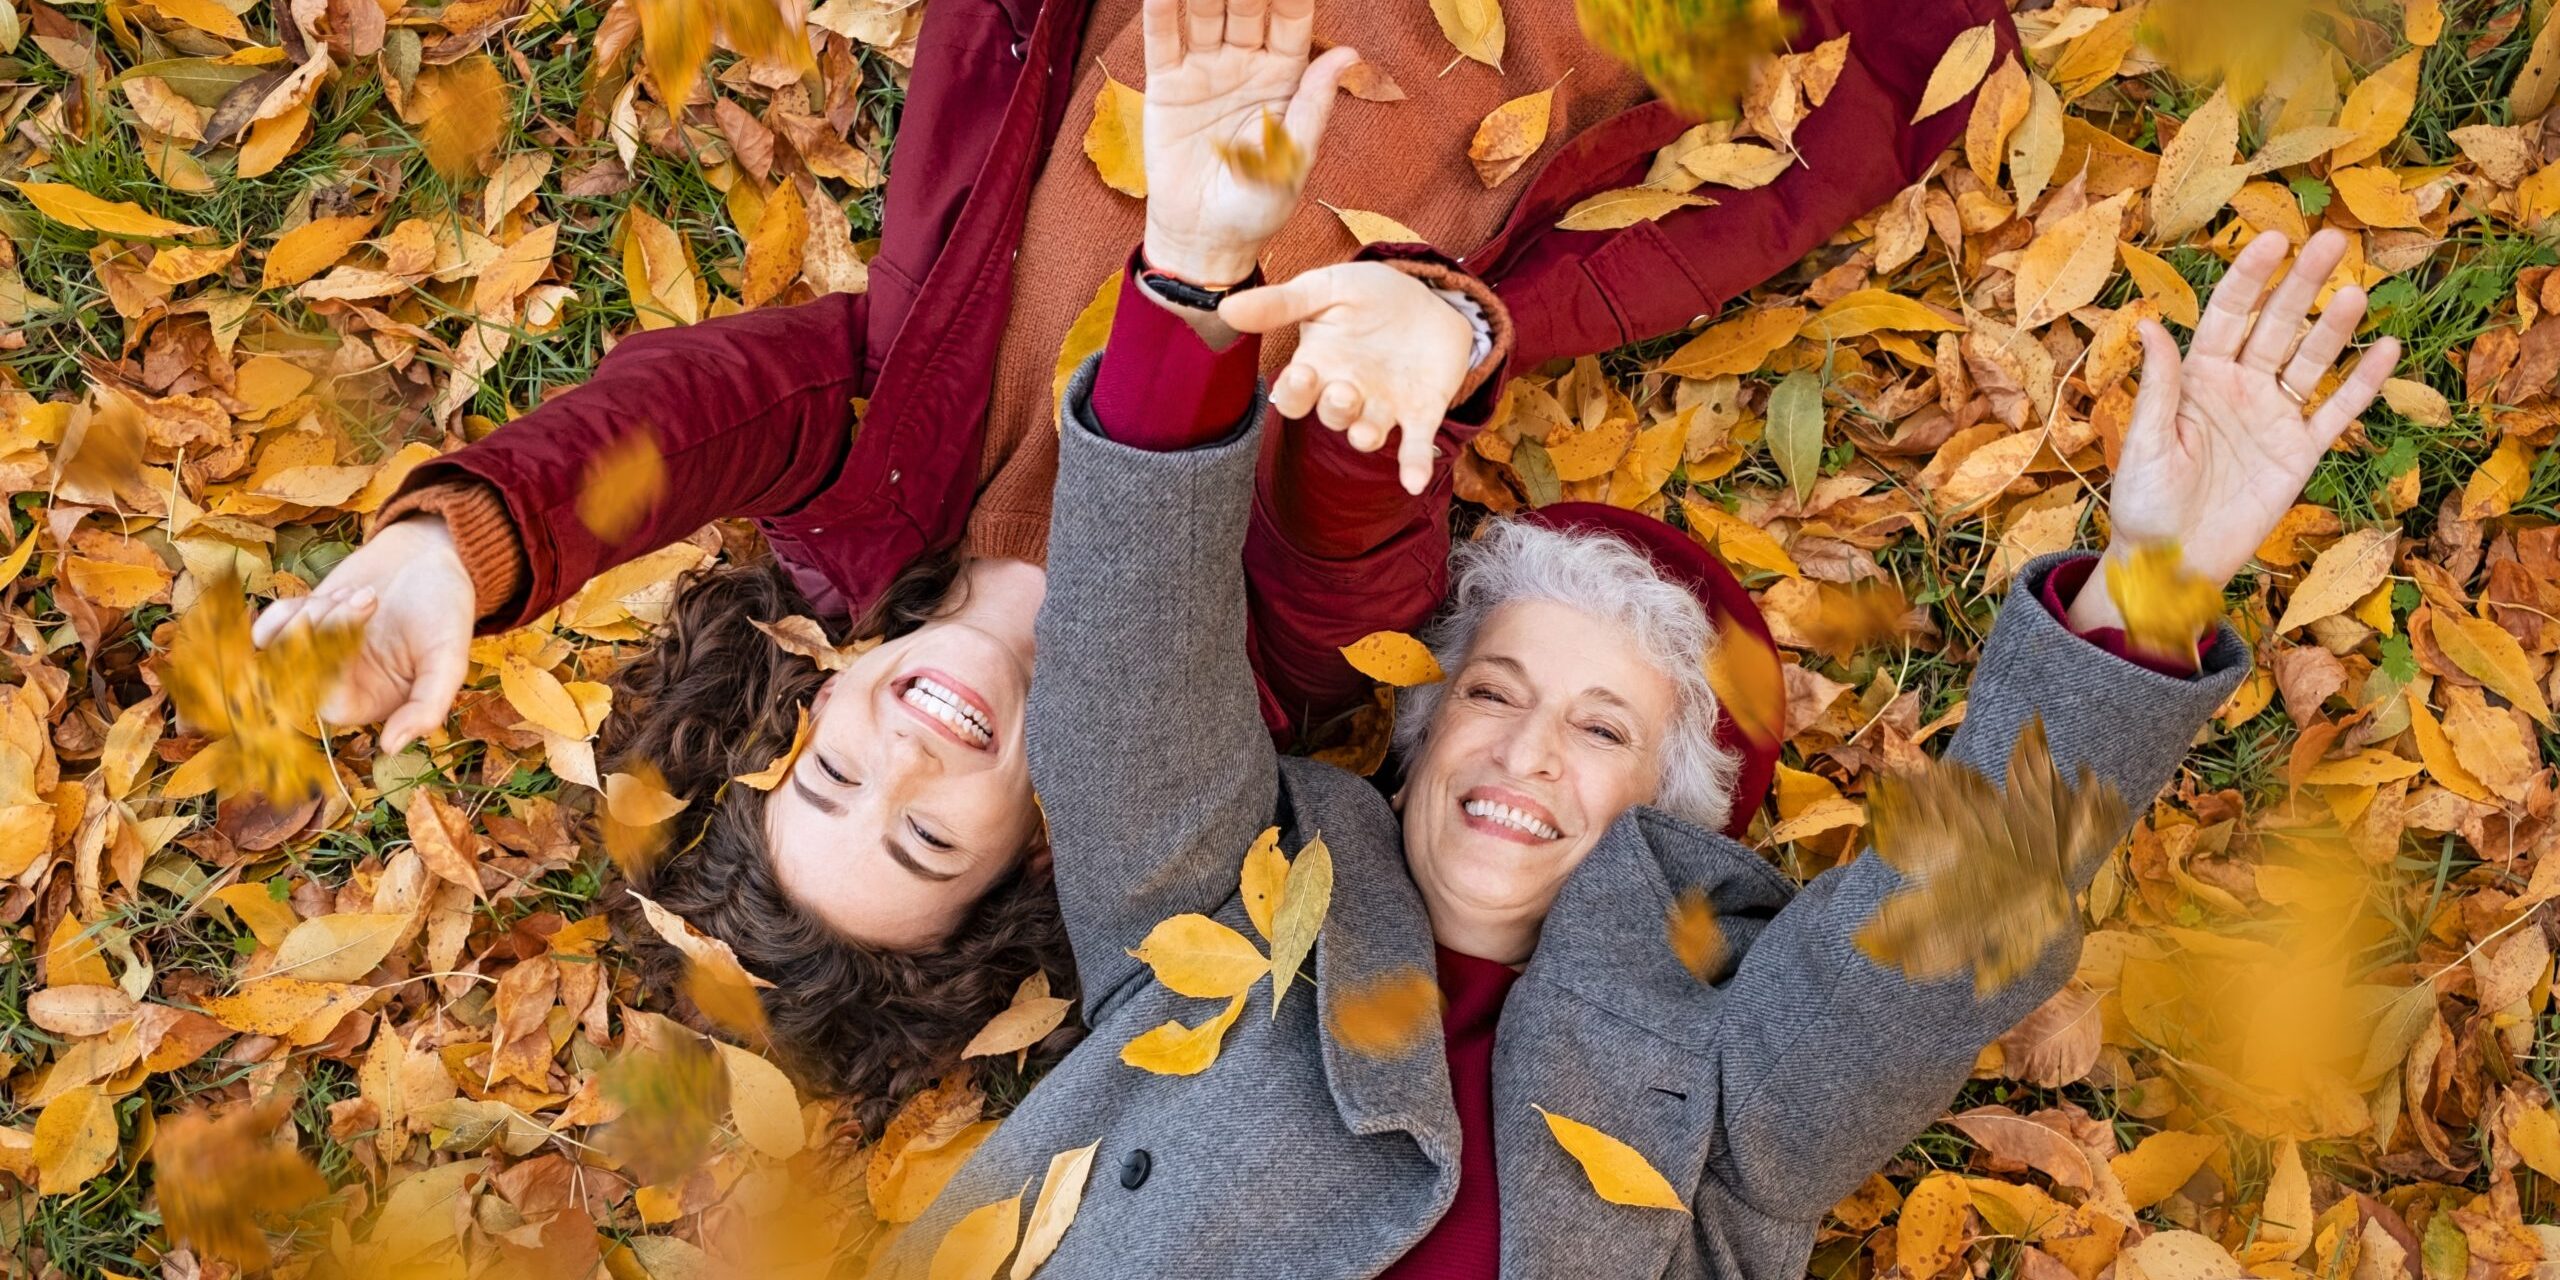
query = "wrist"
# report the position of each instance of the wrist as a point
(1209, 264)
(2094, 609)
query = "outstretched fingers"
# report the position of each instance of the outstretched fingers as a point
(2281, 323)
(2155, 405)
(1293, 393)
(2225, 326)
(1161, 20)
(1291, 27)
(2328, 340)
(1206, 24)
(430, 698)
(2362, 387)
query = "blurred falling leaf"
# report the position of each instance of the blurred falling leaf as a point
(223, 1183)
(632, 821)
(2165, 605)
(672, 1092)
(462, 113)
(1386, 1016)
(1985, 869)
(1698, 55)
(1618, 1172)
(259, 705)
(1272, 160)
(713, 979)
(1694, 934)
(622, 485)
(102, 451)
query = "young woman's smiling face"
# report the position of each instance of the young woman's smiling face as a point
(913, 798)
(1551, 729)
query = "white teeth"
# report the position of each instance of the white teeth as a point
(942, 704)
(1509, 817)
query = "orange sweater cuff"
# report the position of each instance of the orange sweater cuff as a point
(477, 518)
(1496, 316)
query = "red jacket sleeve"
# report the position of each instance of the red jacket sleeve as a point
(1577, 293)
(751, 414)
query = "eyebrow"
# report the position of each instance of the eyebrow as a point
(898, 853)
(821, 803)
(1596, 692)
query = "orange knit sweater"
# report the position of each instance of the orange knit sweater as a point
(1407, 160)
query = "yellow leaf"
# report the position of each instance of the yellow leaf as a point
(1965, 62)
(73, 207)
(2437, 750)
(271, 140)
(2535, 1135)
(622, 485)
(675, 43)
(1618, 1172)
(1625, 207)
(1474, 27)
(1386, 1016)
(1084, 338)
(2199, 171)
(2378, 109)
(2366, 768)
(636, 810)
(2534, 86)
(222, 1182)
(1694, 935)
(977, 1245)
(1198, 956)
(1985, 868)
(1266, 874)
(1061, 1194)
(540, 698)
(2486, 653)
(75, 1139)
(262, 703)
(16, 563)
(717, 984)
(2066, 267)
(1510, 134)
(1930, 1235)
(774, 251)
(1743, 166)
(73, 958)
(1116, 140)
(658, 269)
(312, 248)
(1745, 673)
(1033, 1014)
(2161, 283)
(1392, 657)
(1735, 539)
(2177, 1255)
(2501, 481)
(338, 948)
(186, 264)
(2419, 403)
(2160, 1165)
(1375, 228)
(762, 1104)
(2345, 573)
(115, 584)
(1738, 346)
(2284, 1214)
(1304, 899)
(205, 16)
(1176, 1050)
(269, 919)
(919, 1177)
(1273, 161)
(771, 776)
(1869, 311)
(272, 1006)
(2423, 23)
(462, 113)
(2374, 195)
(2165, 607)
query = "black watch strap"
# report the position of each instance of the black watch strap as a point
(1183, 293)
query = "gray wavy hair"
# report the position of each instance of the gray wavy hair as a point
(1512, 560)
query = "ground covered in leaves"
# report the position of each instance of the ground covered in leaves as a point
(257, 262)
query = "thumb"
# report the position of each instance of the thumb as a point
(1312, 105)
(430, 698)
(1275, 306)
(2163, 379)
(1416, 452)
(274, 618)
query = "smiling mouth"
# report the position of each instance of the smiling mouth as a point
(1509, 822)
(950, 706)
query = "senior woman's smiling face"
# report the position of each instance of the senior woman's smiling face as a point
(1551, 729)
(913, 798)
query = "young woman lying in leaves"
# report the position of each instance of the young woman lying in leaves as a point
(883, 971)
(1562, 794)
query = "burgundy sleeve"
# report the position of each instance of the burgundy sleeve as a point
(1160, 387)
(2062, 586)
(1577, 293)
(751, 415)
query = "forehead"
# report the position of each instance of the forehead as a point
(1563, 649)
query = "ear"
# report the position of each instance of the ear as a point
(1396, 801)
(1038, 861)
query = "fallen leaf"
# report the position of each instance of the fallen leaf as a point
(77, 209)
(1394, 658)
(1511, 133)
(1474, 28)
(1869, 311)
(1795, 434)
(1375, 228)
(1305, 897)
(1116, 139)
(1625, 207)
(1959, 69)
(1033, 1014)
(771, 776)
(1176, 1050)
(1061, 1194)
(75, 1140)
(2486, 653)
(2377, 110)
(1619, 1173)
(1265, 876)
(2345, 573)
(1930, 1235)
(1197, 956)
(2199, 172)
(1738, 346)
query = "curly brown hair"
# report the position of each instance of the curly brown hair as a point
(713, 697)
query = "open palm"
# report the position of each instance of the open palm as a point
(2222, 440)
(1215, 69)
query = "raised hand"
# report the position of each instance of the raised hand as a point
(2223, 439)
(409, 591)
(1376, 349)
(1215, 69)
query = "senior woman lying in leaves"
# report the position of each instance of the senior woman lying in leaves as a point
(1561, 798)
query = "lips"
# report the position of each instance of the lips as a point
(1508, 815)
(906, 693)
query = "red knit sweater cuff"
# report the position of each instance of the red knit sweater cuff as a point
(1160, 387)
(2062, 586)
(476, 516)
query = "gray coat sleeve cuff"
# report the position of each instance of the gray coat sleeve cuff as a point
(2127, 724)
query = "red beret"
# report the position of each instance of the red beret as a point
(1679, 558)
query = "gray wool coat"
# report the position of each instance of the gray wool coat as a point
(1765, 1096)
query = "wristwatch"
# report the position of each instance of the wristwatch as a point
(1182, 293)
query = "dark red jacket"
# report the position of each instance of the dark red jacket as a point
(849, 428)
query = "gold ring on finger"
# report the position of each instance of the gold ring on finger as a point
(2299, 400)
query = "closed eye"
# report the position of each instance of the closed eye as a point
(931, 840)
(1607, 735)
(832, 776)
(1488, 693)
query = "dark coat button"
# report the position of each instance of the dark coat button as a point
(1134, 1170)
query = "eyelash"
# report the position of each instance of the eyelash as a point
(931, 841)
(832, 776)
(1603, 732)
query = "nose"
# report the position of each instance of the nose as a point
(1535, 750)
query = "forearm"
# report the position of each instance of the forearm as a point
(747, 416)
